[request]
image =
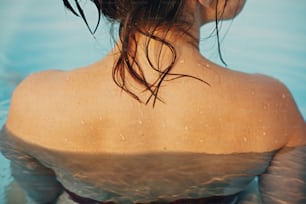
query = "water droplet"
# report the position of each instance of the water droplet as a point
(264, 133)
(284, 96)
(207, 65)
(122, 137)
(186, 128)
(182, 61)
(245, 139)
(140, 122)
(82, 122)
(68, 78)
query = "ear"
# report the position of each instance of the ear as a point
(205, 3)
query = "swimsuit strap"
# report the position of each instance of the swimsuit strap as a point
(231, 199)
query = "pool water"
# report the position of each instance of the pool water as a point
(268, 37)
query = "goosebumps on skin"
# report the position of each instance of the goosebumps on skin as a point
(154, 120)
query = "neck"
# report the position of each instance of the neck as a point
(148, 57)
(162, 48)
(161, 45)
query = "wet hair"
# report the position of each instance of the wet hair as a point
(142, 17)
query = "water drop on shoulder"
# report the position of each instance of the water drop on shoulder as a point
(122, 137)
(83, 122)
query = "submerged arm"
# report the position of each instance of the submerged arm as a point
(38, 181)
(285, 179)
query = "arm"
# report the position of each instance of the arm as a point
(36, 180)
(283, 182)
(285, 179)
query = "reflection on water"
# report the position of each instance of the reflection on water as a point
(140, 178)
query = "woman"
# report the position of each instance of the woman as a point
(155, 121)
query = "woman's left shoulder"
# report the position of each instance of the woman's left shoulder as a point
(29, 97)
(34, 82)
(32, 88)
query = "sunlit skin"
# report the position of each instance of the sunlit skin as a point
(84, 110)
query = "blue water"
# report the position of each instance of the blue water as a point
(268, 37)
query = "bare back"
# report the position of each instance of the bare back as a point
(83, 110)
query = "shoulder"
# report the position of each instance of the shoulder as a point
(34, 86)
(30, 98)
(278, 111)
(265, 109)
(259, 88)
(269, 89)
(35, 81)
(50, 109)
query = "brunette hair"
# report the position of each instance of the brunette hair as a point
(142, 17)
